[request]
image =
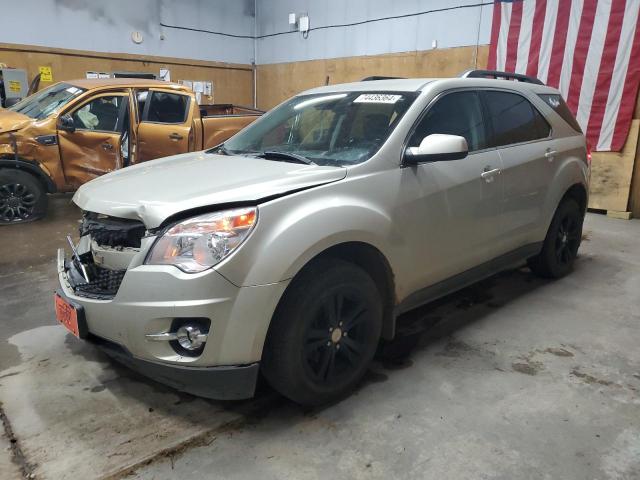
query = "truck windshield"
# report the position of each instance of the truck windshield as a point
(42, 104)
(328, 129)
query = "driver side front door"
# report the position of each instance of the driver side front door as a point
(94, 147)
(452, 207)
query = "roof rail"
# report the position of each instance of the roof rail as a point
(500, 75)
(378, 77)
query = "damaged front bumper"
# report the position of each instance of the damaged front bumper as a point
(147, 300)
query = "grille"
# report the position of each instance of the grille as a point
(104, 283)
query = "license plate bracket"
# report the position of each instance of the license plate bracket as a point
(70, 315)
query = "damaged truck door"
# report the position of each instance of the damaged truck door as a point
(91, 135)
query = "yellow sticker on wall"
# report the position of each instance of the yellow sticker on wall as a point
(45, 74)
(15, 86)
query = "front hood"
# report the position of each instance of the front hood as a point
(10, 121)
(156, 190)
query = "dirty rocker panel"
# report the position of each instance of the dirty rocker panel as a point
(464, 279)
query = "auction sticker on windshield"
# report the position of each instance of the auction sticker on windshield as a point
(377, 98)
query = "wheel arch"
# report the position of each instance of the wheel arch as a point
(578, 192)
(375, 264)
(31, 168)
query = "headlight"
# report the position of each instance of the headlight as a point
(199, 243)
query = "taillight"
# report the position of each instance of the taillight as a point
(588, 154)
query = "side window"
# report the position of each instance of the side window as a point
(166, 108)
(101, 114)
(458, 113)
(543, 127)
(514, 119)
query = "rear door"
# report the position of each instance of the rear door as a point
(94, 148)
(452, 207)
(523, 138)
(166, 124)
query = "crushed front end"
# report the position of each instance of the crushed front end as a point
(150, 316)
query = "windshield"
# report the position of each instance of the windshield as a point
(328, 129)
(40, 105)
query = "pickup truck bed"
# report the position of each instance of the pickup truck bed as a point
(221, 121)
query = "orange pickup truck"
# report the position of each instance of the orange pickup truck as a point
(72, 132)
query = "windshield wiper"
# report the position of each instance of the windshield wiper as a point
(286, 156)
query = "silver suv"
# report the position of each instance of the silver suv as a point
(291, 249)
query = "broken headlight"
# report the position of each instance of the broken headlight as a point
(199, 243)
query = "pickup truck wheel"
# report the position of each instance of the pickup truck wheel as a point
(22, 197)
(324, 333)
(561, 244)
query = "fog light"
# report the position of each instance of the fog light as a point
(187, 336)
(190, 337)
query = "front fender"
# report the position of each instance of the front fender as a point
(293, 230)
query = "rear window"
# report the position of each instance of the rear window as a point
(561, 108)
(514, 119)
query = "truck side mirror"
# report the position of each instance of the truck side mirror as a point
(66, 123)
(436, 148)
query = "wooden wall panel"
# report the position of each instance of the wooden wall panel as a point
(611, 174)
(634, 196)
(232, 83)
(277, 82)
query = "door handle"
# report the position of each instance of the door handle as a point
(175, 136)
(550, 154)
(107, 146)
(488, 174)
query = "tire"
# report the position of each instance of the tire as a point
(306, 361)
(561, 244)
(22, 197)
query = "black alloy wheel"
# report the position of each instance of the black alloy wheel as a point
(337, 337)
(324, 333)
(560, 247)
(22, 197)
(16, 202)
(568, 239)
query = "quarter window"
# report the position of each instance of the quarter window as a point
(561, 108)
(458, 113)
(101, 114)
(514, 119)
(167, 108)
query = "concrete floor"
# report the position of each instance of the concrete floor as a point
(514, 378)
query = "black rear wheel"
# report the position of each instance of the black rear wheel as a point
(324, 333)
(22, 197)
(561, 244)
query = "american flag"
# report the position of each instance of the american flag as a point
(588, 49)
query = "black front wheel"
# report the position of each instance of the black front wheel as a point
(324, 333)
(22, 197)
(561, 244)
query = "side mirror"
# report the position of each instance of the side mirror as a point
(66, 123)
(436, 148)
